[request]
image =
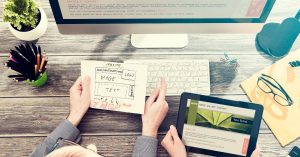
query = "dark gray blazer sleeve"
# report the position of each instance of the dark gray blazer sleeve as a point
(65, 130)
(145, 146)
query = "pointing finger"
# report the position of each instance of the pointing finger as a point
(162, 90)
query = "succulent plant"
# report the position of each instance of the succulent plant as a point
(21, 14)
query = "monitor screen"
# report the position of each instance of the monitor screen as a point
(166, 11)
(217, 127)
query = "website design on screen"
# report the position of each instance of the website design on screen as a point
(217, 127)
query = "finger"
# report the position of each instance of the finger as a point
(162, 90)
(77, 84)
(152, 98)
(86, 89)
(92, 147)
(167, 139)
(255, 152)
(174, 133)
(165, 107)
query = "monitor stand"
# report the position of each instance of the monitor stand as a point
(159, 40)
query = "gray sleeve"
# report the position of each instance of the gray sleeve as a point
(145, 146)
(65, 130)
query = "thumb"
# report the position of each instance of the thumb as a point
(167, 142)
(86, 87)
(174, 133)
(255, 152)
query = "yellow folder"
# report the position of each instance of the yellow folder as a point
(282, 120)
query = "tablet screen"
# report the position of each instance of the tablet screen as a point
(217, 127)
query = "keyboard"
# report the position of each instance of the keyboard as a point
(181, 75)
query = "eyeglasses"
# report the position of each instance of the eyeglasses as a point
(60, 142)
(269, 85)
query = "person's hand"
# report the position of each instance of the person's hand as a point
(156, 109)
(79, 100)
(173, 144)
(255, 152)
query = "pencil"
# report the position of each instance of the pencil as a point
(44, 54)
(10, 58)
(16, 55)
(27, 55)
(34, 49)
(40, 51)
(36, 70)
(18, 65)
(45, 68)
(13, 64)
(18, 50)
(19, 79)
(30, 53)
(42, 64)
(38, 60)
(17, 70)
(23, 52)
(13, 76)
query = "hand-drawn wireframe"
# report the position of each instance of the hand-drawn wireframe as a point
(114, 85)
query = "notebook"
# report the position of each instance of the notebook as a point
(282, 120)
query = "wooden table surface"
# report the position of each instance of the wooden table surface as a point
(28, 114)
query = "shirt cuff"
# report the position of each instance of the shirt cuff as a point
(66, 130)
(145, 146)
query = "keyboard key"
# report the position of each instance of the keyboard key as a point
(180, 75)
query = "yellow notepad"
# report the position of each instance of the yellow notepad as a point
(282, 120)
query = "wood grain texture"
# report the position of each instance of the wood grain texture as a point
(57, 44)
(64, 70)
(42, 115)
(121, 146)
(28, 114)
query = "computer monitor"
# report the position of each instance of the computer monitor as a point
(160, 24)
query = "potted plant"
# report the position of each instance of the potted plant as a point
(27, 21)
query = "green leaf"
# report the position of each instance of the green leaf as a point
(21, 13)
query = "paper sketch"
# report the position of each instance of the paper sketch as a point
(116, 86)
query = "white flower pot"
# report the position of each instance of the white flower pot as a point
(36, 32)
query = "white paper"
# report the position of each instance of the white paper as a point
(116, 86)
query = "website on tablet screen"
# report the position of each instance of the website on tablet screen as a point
(217, 127)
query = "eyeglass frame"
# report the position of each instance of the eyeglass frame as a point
(280, 88)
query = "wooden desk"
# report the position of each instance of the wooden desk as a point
(28, 115)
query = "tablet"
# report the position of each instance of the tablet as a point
(218, 127)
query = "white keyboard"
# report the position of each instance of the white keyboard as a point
(181, 75)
